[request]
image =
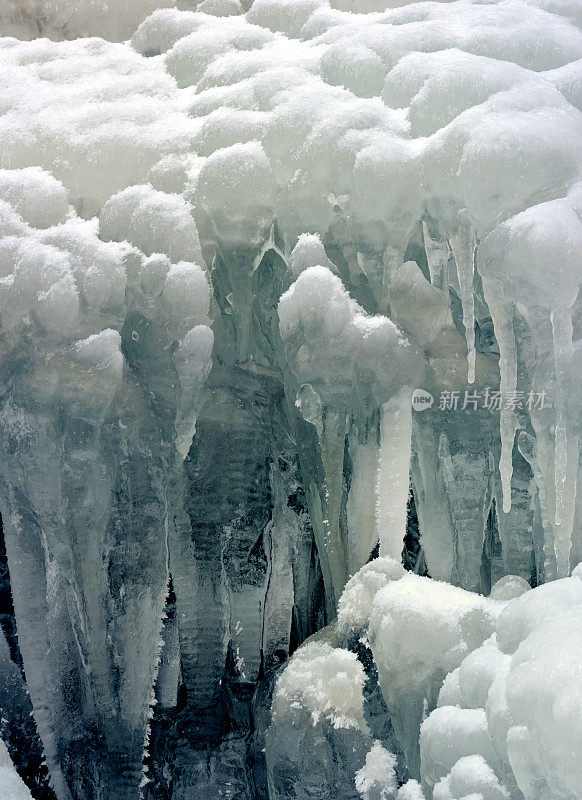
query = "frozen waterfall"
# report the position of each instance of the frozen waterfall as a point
(290, 400)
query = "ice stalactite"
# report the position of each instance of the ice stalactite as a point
(168, 677)
(197, 382)
(463, 247)
(430, 495)
(546, 232)
(502, 316)
(103, 503)
(528, 447)
(332, 445)
(565, 442)
(467, 482)
(560, 533)
(393, 478)
(519, 530)
(84, 640)
(327, 335)
(361, 503)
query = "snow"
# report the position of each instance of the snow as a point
(332, 340)
(450, 734)
(35, 195)
(153, 221)
(419, 631)
(504, 721)
(357, 598)
(471, 775)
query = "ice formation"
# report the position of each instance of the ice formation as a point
(13, 787)
(290, 321)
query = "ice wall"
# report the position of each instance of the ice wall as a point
(233, 249)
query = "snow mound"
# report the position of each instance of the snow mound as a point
(471, 776)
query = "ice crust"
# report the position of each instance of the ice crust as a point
(234, 239)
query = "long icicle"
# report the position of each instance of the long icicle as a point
(463, 246)
(502, 315)
(393, 480)
(565, 450)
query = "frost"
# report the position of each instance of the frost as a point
(377, 778)
(324, 681)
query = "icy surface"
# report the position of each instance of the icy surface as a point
(264, 269)
(13, 787)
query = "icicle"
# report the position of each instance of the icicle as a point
(502, 316)
(431, 500)
(392, 260)
(332, 443)
(362, 529)
(528, 448)
(463, 245)
(393, 478)
(562, 340)
(564, 530)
